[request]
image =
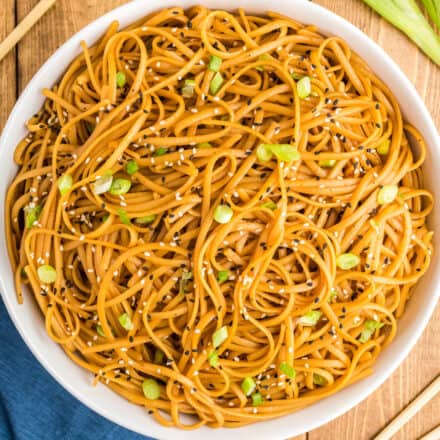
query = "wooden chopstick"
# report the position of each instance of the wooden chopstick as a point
(432, 435)
(25, 25)
(416, 405)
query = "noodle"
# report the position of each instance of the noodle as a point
(237, 319)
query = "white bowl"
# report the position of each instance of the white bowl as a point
(29, 321)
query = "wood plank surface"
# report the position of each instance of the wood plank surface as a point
(8, 88)
(423, 364)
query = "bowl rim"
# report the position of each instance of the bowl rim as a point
(339, 26)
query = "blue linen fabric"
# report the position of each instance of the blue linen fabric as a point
(33, 406)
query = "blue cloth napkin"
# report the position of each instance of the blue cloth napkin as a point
(35, 407)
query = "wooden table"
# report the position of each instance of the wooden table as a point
(423, 364)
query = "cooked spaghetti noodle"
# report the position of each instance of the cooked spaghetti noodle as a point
(219, 215)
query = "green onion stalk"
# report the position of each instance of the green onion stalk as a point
(407, 16)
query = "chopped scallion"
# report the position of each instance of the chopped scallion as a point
(132, 167)
(204, 145)
(188, 88)
(151, 389)
(125, 321)
(257, 399)
(223, 214)
(304, 87)
(264, 153)
(296, 76)
(318, 380)
(31, 215)
(283, 152)
(333, 294)
(387, 194)
(328, 163)
(248, 386)
(160, 151)
(103, 183)
(269, 205)
(370, 327)
(220, 336)
(263, 57)
(216, 83)
(120, 187)
(310, 318)
(288, 370)
(65, 182)
(147, 219)
(215, 63)
(121, 79)
(213, 358)
(347, 261)
(100, 330)
(124, 216)
(222, 276)
(47, 274)
(183, 283)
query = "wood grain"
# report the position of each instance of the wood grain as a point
(7, 65)
(423, 364)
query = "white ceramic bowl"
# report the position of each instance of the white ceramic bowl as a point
(28, 319)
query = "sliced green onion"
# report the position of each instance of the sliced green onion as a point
(120, 187)
(188, 88)
(370, 327)
(222, 276)
(347, 261)
(105, 218)
(263, 57)
(248, 386)
(223, 214)
(151, 389)
(216, 83)
(213, 359)
(159, 356)
(132, 167)
(433, 9)
(47, 274)
(269, 205)
(387, 194)
(264, 152)
(147, 219)
(296, 76)
(65, 182)
(220, 336)
(318, 380)
(125, 321)
(31, 215)
(215, 63)
(333, 294)
(204, 145)
(121, 79)
(304, 87)
(160, 151)
(383, 148)
(103, 183)
(283, 152)
(186, 276)
(288, 370)
(124, 216)
(310, 318)
(257, 399)
(100, 330)
(327, 163)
